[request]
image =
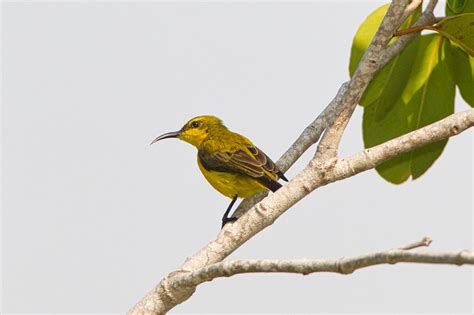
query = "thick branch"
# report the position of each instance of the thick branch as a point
(313, 132)
(369, 158)
(309, 137)
(319, 172)
(166, 295)
(366, 70)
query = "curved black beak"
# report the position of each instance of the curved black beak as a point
(173, 134)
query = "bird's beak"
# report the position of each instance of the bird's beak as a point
(173, 134)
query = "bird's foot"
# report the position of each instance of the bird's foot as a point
(227, 220)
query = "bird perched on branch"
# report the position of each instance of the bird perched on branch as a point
(230, 162)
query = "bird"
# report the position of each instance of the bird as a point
(230, 162)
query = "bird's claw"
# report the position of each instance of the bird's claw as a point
(227, 220)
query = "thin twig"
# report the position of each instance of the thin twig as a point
(415, 29)
(426, 18)
(425, 242)
(308, 266)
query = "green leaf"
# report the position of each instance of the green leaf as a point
(435, 101)
(386, 87)
(463, 64)
(377, 131)
(463, 71)
(469, 8)
(364, 35)
(427, 97)
(454, 7)
(459, 29)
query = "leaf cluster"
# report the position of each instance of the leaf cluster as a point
(417, 87)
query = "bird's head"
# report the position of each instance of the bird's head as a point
(195, 130)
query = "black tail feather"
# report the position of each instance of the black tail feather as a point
(282, 176)
(269, 183)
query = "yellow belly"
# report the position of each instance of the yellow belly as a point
(231, 184)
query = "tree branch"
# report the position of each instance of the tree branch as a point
(410, 9)
(317, 173)
(425, 242)
(369, 158)
(366, 70)
(415, 29)
(310, 136)
(313, 132)
(166, 295)
(307, 266)
(426, 17)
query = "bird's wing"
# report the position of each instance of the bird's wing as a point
(264, 161)
(249, 161)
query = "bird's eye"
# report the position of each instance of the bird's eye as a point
(195, 124)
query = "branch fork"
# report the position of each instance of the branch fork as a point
(261, 210)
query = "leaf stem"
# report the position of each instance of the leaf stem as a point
(414, 29)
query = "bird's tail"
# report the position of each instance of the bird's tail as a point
(269, 183)
(282, 176)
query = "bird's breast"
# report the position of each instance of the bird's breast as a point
(231, 184)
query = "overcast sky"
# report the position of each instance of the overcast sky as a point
(93, 217)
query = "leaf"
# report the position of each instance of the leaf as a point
(463, 64)
(427, 97)
(469, 8)
(377, 131)
(454, 7)
(435, 102)
(459, 29)
(389, 82)
(364, 35)
(463, 71)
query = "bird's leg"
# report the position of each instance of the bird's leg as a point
(225, 218)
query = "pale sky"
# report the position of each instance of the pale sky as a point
(93, 217)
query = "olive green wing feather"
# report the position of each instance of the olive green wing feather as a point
(253, 163)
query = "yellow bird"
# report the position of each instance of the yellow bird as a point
(230, 162)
